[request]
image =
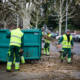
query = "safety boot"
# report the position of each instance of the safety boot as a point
(69, 60)
(17, 65)
(9, 64)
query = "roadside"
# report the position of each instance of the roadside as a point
(48, 68)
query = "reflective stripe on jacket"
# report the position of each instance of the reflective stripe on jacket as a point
(65, 43)
(16, 36)
(46, 40)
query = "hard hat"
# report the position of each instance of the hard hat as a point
(67, 30)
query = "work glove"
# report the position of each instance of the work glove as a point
(59, 46)
(21, 51)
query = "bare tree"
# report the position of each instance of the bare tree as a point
(26, 10)
(36, 15)
(61, 8)
(23, 8)
(30, 11)
(77, 2)
(6, 15)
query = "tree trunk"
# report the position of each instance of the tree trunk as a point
(60, 18)
(5, 25)
(17, 21)
(37, 19)
(66, 16)
(26, 21)
(27, 16)
(60, 26)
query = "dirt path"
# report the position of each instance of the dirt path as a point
(48, 68)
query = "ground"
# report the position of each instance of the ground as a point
(48, 68)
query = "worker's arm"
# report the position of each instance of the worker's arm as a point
(72, 43)
(60, 40)
(49, 37)
(8, 34)
(22, 44)
(22, 41)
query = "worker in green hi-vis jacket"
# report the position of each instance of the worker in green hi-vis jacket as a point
(67, 44)
(16, 40)
(47, 43)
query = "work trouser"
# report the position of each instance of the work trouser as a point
(21, 57)
(14, 50)
(46, 48)
(65, 52)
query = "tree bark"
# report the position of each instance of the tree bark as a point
(37, 19)
(60, 18)
(26, 22)
(5, 25)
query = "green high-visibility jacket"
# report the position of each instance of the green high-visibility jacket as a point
(65, 42)
(46, 40)
(15, 38)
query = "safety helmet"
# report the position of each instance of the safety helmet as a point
(67, 30)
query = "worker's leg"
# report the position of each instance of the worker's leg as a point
(45, 48)
(21, 58)
(61, 54)
(9, 64)
(17, 58)
(69, 55)
(9, 52)
(64, 52)
(48, 50)
(10, 58)
(14, 59)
